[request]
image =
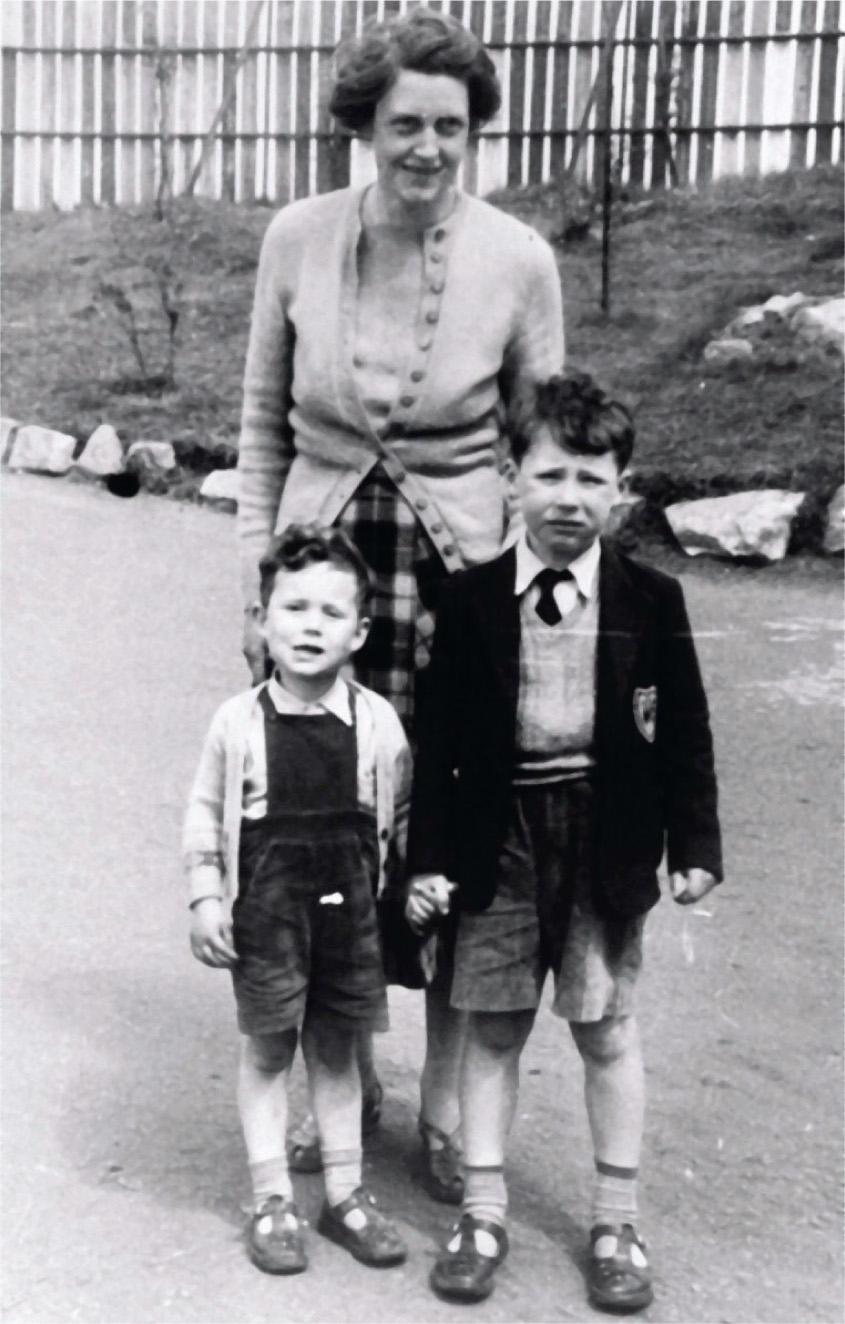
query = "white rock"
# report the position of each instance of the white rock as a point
(742, 524)
(42, 450)
(151, 457)
(783, 305)
(825, 321)
(834, 534)
(749, 317)
(8, 428)
(728, 351)
(103, 454)
(220, 485)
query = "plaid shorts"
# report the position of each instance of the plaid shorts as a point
(407, 574)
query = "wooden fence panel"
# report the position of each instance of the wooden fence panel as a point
(100, 97)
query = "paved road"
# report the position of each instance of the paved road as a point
(122, 1163)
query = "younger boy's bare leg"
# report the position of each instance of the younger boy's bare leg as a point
(274, 1236)
(614, 1091)
(349, 1216)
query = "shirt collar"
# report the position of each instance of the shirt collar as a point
(584, 568)
(334, 701)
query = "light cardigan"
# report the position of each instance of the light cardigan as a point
(213, 820)
(489, 318)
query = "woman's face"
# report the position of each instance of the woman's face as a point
(419, 137)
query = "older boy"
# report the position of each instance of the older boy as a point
(566, 742)
(299, 802)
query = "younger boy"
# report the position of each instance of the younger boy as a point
(566, 741)
(299, 802)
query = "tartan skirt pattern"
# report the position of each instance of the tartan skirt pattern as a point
(407, 574)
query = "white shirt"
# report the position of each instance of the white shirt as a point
(584, 570)
(334, 701)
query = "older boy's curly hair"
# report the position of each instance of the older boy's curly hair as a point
(579, 415)
(301, 545)
(424, 40)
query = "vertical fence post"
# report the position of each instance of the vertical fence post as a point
(607, 179)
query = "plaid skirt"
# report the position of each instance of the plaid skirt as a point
(407, 575)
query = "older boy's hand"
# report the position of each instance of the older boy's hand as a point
(428, 896)
(211, 934)
(690, 885)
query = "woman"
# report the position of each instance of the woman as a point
(391, 327)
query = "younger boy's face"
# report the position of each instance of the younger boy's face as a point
(565, 498)
(312, 625)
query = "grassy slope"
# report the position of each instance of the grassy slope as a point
(683, 265)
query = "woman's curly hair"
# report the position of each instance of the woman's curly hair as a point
(578, 413)
(367, 66)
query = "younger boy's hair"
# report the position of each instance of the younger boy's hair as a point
(579, 415)
(301, 545)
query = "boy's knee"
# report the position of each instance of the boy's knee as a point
(270, 1053)
(500, 1032)
(332, 1044)
(606, 1041)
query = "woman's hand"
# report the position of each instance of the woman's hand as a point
(211, 933)
(429, 895)
(253, 647)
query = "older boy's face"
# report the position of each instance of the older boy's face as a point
(565, 498)
(312, 625)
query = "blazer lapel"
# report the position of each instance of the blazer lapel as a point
(497, 611)
(621, 624)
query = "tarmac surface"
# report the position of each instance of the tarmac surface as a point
(123, 1168)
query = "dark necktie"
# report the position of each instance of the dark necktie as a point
(547, 609)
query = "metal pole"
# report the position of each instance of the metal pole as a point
(607, 182)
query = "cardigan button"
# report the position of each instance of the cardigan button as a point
(439, 236)
(425, 342)
(421, 503)
(417, 375)
(384, 834)
(432, 317)
(449, 550)
(437, 528)
(436, 287)
(435, 257)
(407, 400)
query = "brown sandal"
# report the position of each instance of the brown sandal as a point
(621, 1280)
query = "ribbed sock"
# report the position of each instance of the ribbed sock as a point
(614, 1195)
(485, 1194)
(342, 1173)
(270, 1177)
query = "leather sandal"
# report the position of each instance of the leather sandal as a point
(275, 1239)
(618, 1274)
(461, 1272)
(305, 1156)
(376, 1242)
(441, 1173)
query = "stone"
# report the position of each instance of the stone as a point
(784, 305)
(823, 322)
(728, 351)
(151, 459)
(756, 524)
(747, 318)
(8, 428)
(103, 453)
(221, 485)
(42, 450)
(834, 533)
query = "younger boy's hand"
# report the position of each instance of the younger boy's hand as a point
(211, 934)
(690, 885)
(429, 895)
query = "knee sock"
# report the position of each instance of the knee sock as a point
(485, 1194)
(614, 1195)
(270, 1177)
(342, 1173)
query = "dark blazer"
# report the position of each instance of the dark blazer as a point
(654, 775)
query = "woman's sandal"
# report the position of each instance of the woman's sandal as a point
(618, 1274)
(441, 1165)
(304, 1144)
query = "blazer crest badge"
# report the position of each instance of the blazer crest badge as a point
(645, 712)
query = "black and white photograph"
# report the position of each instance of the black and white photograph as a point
(422, 511)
